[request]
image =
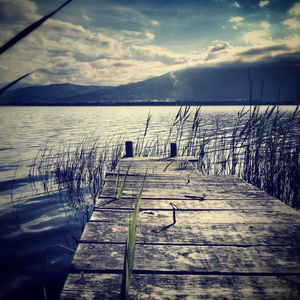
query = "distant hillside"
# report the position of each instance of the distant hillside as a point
(269, 83)
(223, 85)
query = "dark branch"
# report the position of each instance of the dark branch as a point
(29, 29)
(14, 82)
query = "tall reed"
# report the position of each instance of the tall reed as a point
(76, 170)
(258, 145)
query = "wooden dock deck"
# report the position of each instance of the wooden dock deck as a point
(230, 240)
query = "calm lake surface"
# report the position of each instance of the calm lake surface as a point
(31, 222)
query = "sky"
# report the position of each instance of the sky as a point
(102, 42)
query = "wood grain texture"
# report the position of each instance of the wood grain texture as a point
(195, 177)
(200, 234)
(160, 286)
(158, 190)
(194, 204)
(190, 259)
(192, 218)
(234, 242)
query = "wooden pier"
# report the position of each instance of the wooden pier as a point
(229, 240)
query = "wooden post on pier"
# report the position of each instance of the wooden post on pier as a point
(173, 152)
(129, 149)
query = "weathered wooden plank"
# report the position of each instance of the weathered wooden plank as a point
(157, 167)
(190, 204)
(141, 160)
(179, 182)
(197, 178)
(183, 191)
(199, 234)
(198, 186)
(185, 194)
(192, 218)
(161, 286)
(190, 259)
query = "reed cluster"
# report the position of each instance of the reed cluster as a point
(259, 145)
(75, 170)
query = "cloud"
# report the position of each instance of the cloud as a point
(264, 50)
(5, 35)
(218, 50)
(257, 37)
(18, 10)
(210, 56)
(292, 41)
(62, 28)
(131, 15)
(65, 52)
(131, 37)
(155, 53)
(236, 4)
(285, 59)
(269, 49)
(263, 3)
(292, 23)
(265, 25)
(108, 71)
(219, 46)
(295, 9)
(237, 22)
(154, 23)
(87, 18)
(236, 19)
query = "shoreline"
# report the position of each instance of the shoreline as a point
(177, 103)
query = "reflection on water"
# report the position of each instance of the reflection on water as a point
(29, 222)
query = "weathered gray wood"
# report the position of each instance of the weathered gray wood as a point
(195, 177)
(191, 259)
(157, 166)
(233, 244)
(160, 286)
(192, 218)
(189, 204)
(199, 234)
(191, 183)
(181, 191)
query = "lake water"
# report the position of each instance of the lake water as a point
(30, 221)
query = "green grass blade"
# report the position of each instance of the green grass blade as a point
(117, 182)
(130, 246)
(120, 192)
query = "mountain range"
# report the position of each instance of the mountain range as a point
(263, 84)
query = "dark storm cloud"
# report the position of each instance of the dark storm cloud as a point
(264, 50)
(287, 59)
(219, 47)
(283, 59)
